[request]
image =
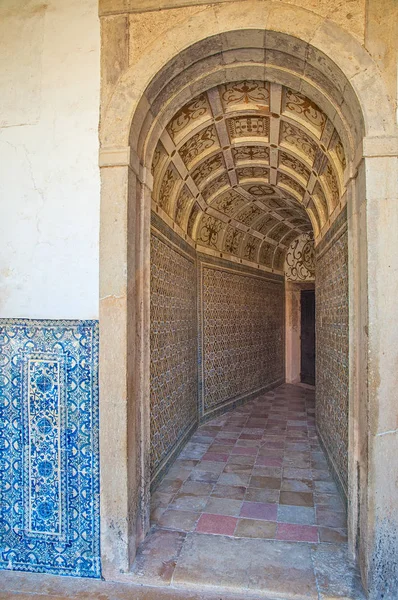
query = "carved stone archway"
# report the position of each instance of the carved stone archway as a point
(186, 62)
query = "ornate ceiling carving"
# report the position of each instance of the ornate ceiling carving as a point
(300, 259)
(246, 168)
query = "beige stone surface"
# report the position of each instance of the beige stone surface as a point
(279, 569)
(350, 16)
(381, 40)
(26, 586)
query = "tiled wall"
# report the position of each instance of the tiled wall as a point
(242, 333)
(332, 380)
(49, 459)
(173, 347)
(205, 313)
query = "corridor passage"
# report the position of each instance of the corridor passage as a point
(250, 505)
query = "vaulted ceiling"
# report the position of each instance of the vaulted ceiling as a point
(247, 167)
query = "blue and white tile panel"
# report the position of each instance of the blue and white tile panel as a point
(49, 459)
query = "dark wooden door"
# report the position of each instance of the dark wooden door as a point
(308, 336)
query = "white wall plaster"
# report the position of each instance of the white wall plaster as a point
(49, 176)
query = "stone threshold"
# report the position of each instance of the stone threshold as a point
(37, 586)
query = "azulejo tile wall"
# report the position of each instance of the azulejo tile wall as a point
(173, 342)
(49, 457)
(242, 333)
(217, 336)
(332, 328)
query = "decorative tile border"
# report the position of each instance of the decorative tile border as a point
(49, 455)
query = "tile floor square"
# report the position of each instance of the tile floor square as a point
(296, 533)
(222, 525)
(259, 510)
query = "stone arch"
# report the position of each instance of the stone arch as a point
(228, 27)
(145, 97)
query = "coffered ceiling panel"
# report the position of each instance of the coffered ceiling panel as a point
(247, 167)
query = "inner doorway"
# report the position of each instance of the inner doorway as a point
(307, 370)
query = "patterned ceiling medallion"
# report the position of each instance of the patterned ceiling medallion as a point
(261, 190)
(252, 173)
(232, 240)
(198, 144)
(215, 186)
(249, 214)
(207, 168)
(248, 127)
(196, 108)
(251, 248)
(300, 259)
(170, 180)
(228, 202)
(295, 137)
(245, 92)
(305, 108)
(253, 153)
(291, 183)
(278, 232)
(183, 206)
(266, 253)
(209, 230)
(294, 164)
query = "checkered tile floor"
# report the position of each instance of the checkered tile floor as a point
(257, 471)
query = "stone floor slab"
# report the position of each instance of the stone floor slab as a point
(280, 570)
(157, 557)
(336, 576)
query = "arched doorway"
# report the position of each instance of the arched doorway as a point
(126, 158)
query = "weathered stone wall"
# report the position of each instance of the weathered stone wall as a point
(173, 340)
(242, 333)
(332, 375)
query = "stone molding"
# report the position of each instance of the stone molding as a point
(125, 157)
(115, 7)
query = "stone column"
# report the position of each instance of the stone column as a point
(124, 356)
(379, 538)
(293, 331)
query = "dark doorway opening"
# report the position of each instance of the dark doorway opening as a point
(307, 369)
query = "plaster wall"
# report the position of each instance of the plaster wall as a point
(49, 176)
